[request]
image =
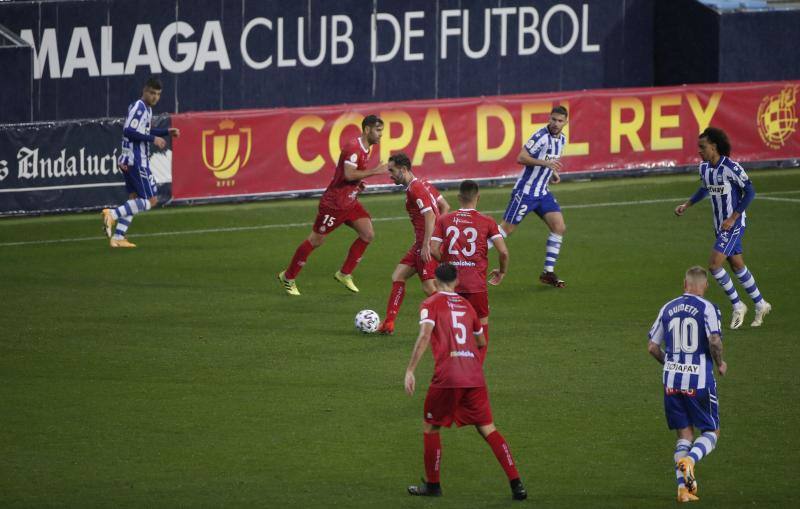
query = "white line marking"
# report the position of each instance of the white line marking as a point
(775, 198)
(374, 219)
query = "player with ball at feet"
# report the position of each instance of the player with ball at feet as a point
(458, 389)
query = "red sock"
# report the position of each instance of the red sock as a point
(395, 300)
(299, 259)
(433, 455)
(357, 249)
(503, 454)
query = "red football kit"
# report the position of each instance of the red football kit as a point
(339, 204)
(465, 236)
(421, 196)
(458, 388)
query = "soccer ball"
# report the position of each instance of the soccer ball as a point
(367, 321)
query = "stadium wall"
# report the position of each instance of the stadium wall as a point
(234, 54)
(284, 152)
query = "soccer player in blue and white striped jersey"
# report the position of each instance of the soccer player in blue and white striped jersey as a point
(689, 330)
(541, 156)
(731, 191)
(134, 161)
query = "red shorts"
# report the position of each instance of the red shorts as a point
(479, 301)
(464, 405)
(329, 219)
(424, 270)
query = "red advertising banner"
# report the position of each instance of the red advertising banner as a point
(252, 152)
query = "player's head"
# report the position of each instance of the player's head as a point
(468, 193)
(151, 93)
(446, 276)
(712, 143)
(372, 129)
(696, 281)
(558, 119)
(400, 169)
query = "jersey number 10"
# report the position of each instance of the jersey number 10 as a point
(684, 332)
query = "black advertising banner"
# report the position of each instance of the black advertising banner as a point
(54, 167)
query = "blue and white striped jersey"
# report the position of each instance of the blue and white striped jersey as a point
(541, 145)
(683, 327)
(137, 153)
(725, 185)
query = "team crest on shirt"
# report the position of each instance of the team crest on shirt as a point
(226, 151)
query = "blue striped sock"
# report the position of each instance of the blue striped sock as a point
(749, 283)
(682, 448)
(703, 446)
(131, 208)
(123, 224)
(552, 250)
(725, 282)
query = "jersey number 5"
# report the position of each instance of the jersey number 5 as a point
(684, 332)
(471, 235)
(458, 327)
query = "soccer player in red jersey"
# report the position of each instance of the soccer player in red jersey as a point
(458, 389)
(424, 204)
(462, 238)
(339, 205)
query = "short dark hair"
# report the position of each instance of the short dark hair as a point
(401, 159)
(718, 137)
(371, 121)
(468, 190)
(446, 273)
(154, 83)
(560, 110)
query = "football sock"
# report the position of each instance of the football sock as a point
(551, 254)
(503, 454)
(725, 282)
(703, 446)
(123, 224)
(299, 259)
(749, 283)
(357, 249)
(131, 208)
(682, 448)
(395, 300)
(433, 456)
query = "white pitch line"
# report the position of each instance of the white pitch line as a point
(775, 198)
(374, 219)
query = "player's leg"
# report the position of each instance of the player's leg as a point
(401, 273)
(721, 250)
(515, 212)
(747, 280)
(301, 254)
(359, 220)
(682, 448)
(143, 195)
(551, 214)
(703, 412)
(437, 412)
(475, 409)
(677, 415)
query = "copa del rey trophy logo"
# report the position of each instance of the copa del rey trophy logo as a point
(777, 117)
(226, 150)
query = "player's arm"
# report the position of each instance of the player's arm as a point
(424, 338)
(655, 351)
(430, 224)
(525, 158)
(351, 171)
(715, 346)
(163, 131)
(436, 241)
(749, 194)
(701, 193)
(497, 275)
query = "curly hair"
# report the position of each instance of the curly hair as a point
(718, 137)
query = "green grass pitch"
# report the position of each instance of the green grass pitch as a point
(178, 374)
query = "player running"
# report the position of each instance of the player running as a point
(134, 161)
(541, 156)
(458, 389)
(731, 192)
(462, 239)
(424, 205)
(339, 205)
(689, 329)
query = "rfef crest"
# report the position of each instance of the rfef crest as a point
(777, 117)
(227, 150)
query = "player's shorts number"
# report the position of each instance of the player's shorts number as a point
(470, 233)
(684, 333)
(522, 209)
(328, 220)
(460, 328)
